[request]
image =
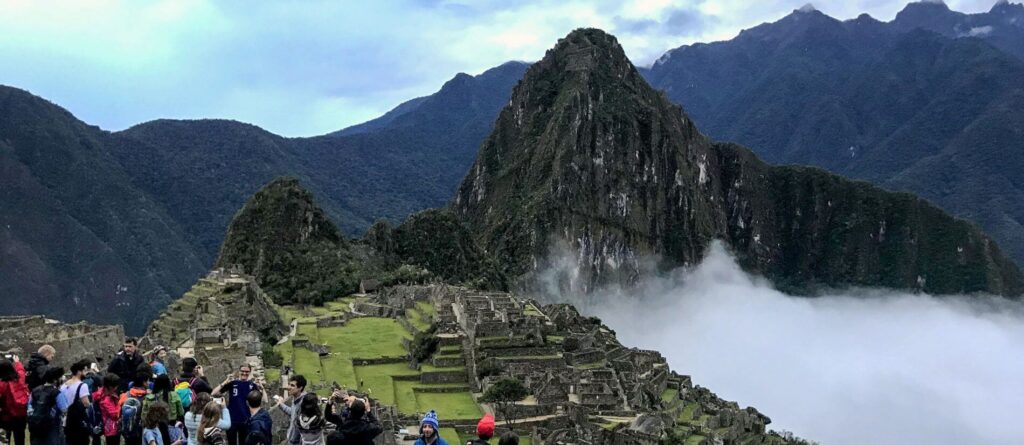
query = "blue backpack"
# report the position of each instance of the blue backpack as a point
(131, 420)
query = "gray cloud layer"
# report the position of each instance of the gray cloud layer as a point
(854, 367)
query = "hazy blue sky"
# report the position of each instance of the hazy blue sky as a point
(302, 68)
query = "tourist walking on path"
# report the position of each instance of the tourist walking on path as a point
(360, 426)
(296, 390)
(238, 388)
(429, 431)
(210, 432)
(158, 431)
(77, 429)
(260, 425)
(46, 407)
(158, 360)
(126, 363)
(14, 395)
(194, 417)
(38, 363)
(106, 400)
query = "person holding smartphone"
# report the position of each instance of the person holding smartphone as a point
(237, 387)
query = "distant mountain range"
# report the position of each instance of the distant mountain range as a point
(938, 115)
(94, 220)
(110, 227)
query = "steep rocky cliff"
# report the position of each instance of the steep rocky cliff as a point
(588, 156)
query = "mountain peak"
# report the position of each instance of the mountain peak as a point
(585, 49)
(807, 8)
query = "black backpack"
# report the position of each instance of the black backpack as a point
(43, 418)
(84, 419)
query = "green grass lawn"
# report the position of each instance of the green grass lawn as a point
(376, 379)
(456, 405)
(426, 308)
(687, 415)
(427, 367)
(370, 337)
(308, 330)
(450, 349)
(451, 436)
(366, 337)
(669, 395)
(417, 319)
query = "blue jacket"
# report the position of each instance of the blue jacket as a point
(260, 427)
(440, 441)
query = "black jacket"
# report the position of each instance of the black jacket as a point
(357, 431)
(37, 366)
(126, 367)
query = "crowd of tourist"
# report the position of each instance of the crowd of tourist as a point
(136, 401)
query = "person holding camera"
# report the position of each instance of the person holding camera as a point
(296, 390)
(359, 427)
(238, 389)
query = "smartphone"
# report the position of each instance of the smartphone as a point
(219, 400)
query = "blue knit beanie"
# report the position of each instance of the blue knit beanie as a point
(431, 419)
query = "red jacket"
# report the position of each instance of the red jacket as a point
(109, 410)
(14, 396)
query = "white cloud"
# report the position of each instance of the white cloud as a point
(117, 63)
(863, 366)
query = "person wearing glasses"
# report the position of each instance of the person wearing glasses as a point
(238, 387)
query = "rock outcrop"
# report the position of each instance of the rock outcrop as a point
(284, 240)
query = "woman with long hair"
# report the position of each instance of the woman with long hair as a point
(309, 424)
(194, 418)
(13, 400)
(210, 432)
(106, 399)
(164, 391)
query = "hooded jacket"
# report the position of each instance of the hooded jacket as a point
(310, 430)
(37, 366)
(14, 396)
(109, 410)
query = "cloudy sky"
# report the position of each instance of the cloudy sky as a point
(303, 68)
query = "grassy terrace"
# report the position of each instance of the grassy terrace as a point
(370, 338)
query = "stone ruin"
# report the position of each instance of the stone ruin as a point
(223, 321)
(585, 386)
(75, 341)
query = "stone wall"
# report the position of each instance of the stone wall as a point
(437, 377)
(73, 342)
